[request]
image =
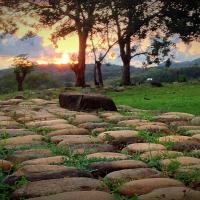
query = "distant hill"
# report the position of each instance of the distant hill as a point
(109, 71)
(192, 63)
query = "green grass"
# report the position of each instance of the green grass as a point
(170, 98)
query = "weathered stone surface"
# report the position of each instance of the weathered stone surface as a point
(161, 154)
(70, 131)
(20, 156)
(5, 118)
(186, 146)
(187, 128)
(45, 172)
(173, 116)
(107, 155)
(9, 124)
(91, 148)
(174, 138)
(93, 125)
(45, 161)
(183, 160)
(58, 127)
(117, 118)
(143, 147)
(175, 124)
(153, 128)
(76, 139)
(110, 135)
(54, 186)
(109, 114)
(15, 132)
(80, 119)
(121, 143)
(196, 121)
(171, 193)
(133, 174)
(5, 165)
(103, 168)
(144, 186)
(196, 137)
(79, 102)
(46, 123)
(22, 140)
(133, 122)
(11, 102)
(78, 195)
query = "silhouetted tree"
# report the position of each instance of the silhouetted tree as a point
(22, 67)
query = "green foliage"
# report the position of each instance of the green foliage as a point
(150, 137)
(189, 178)
(171, 168)
(6, 189)
(114, 185)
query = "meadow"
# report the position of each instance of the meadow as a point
(180, 97)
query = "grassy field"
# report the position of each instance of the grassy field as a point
(172, 97)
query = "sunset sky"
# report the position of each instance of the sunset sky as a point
(41, 50)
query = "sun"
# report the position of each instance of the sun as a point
(64, 59)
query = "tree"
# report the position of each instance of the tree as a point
(66, 17)
(73, 16)
(22, 67)
(131, 19)
(101, 47)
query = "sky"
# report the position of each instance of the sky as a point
(41, 50)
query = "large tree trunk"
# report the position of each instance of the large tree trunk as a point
(125, 53)
(96, 83)
(126, 80)
(98, 65)
(80, 75)
(20, 81)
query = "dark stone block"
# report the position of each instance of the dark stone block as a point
(86, 102)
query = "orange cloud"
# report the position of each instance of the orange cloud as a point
(192, 49)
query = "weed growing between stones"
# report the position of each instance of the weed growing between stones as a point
(190, 178)
(150, 137)
(171, 168)
(113, 186)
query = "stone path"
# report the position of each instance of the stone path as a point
(52, 153)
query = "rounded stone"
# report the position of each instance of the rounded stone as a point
(196, 137)
(174, 138)
(103, 168)
(133, 174)
(46, 122)
(117, 134)
(196, 121)
(20, 140)
(80, 119)
(55, 186)
(144, 186)
(5, 165)
(153, 128)
(132, 122)
(45, 161)
(45, 172)
(78, 195)
(162, 154)
(20, 156)
(70, 131)
(183, 160)
(107, 155)
(143, 147)
(171, 193)
(75, 139)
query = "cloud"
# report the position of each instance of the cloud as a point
(192, 49)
